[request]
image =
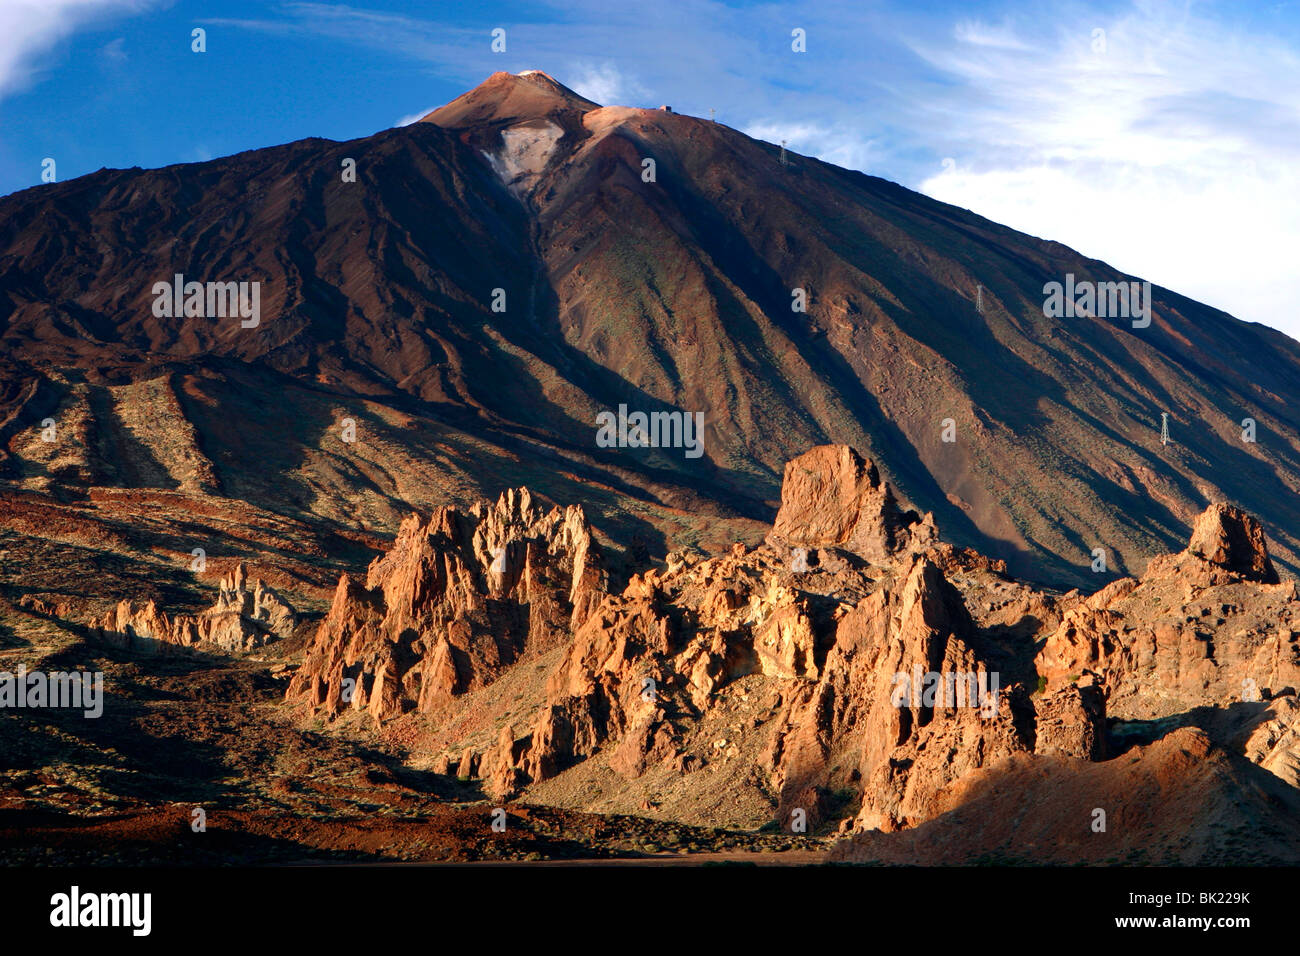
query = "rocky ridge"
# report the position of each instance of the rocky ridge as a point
(845, 609)
(457, 599)
(888, 666)
(246, 615)
(877, 680)
(852, 672)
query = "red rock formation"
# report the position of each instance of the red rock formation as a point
(870, 716)
(889, 670)
(1071, 722)
(453, 602)
(642, 674)
(1208, 636)
(1232, 539)
(243, 618)
(1205, 627)
(1180, 800)
(832, 498)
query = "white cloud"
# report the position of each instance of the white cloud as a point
(827, 143)
(413, 117)
(395, 34)
(1171, 151)
(603, 83)
(29, 29)
(981, 34)
(115, 51)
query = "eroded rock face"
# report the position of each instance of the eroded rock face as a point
(1071, 722)
(852, 668)
(1179, 800)
(244, 616)
(846, 640)
(871, 716)
(1272, 740)
(1206, 627)
(1207, 636)
(458, 598)
(831, 497)
(1230, 538)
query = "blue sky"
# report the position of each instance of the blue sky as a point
(1161, 137)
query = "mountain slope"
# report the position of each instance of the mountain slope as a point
(377, 305)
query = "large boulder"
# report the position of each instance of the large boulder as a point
(1230, 538)
(831, 497)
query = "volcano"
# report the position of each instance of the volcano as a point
(708, 444)
(488, 282)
